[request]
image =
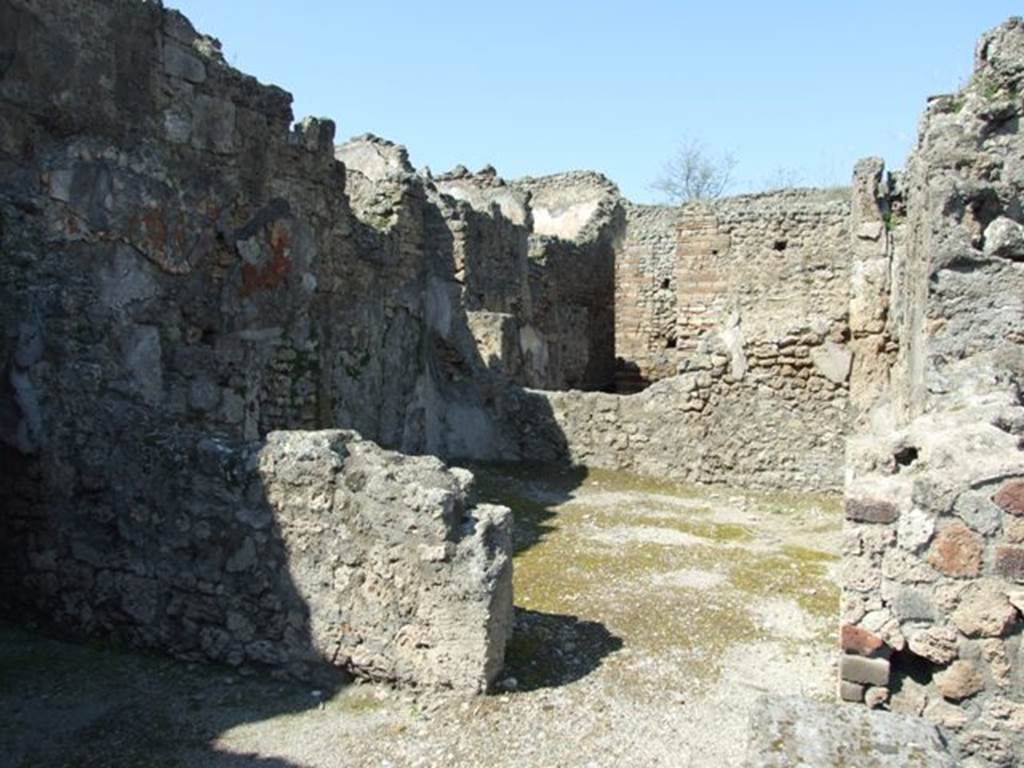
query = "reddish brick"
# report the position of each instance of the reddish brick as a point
(957, 551)
(1010, 562)
(859, 641)
(868, 511)
(1011, 497)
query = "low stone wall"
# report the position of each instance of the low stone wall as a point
(779, 424)
(309, 551)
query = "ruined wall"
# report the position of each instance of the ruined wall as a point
(740, 308)
(775, 263)
(705, 426)
(178, 266)
(307, 550)
(575, 239)
(932, 567)
(645, 297)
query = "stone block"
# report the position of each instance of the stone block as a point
(858, 669)
(792, 731)
(915, 529)
(912, 604)
(984, 610)
(1010, 497)
(179, 62)
(960, 681)
(957, 551)
(832, 361)
(871, 511)
(1004, 238)
(937, 644)
(851, 691)
(1009, 562)
(213, 124)
(859, 641)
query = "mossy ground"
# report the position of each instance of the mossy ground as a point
(593, 544)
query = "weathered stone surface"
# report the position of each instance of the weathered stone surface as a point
(912, 604)
(851, 691)
(935, 643)
(991, 745)
(786, 732)
(961, 680)
(946, 715)
(438, 572)
(994, 653)
(858, 669)
(939, 430)
(832, 361)
(957, 551)
(915, 529)
(1004, 239)
(983, 610)
(1009, 562)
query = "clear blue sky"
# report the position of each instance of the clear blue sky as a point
(533, 87)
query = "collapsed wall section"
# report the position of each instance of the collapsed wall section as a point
(933, 564)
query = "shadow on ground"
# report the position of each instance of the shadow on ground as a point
(86, 706)
(546, 649)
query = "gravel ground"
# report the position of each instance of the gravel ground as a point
(649, 619)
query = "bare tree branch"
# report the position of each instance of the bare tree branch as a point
(693, 174)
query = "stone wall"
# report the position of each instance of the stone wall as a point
(740, 310)
(756, 430)
(181, 268)
(645, 297)
(307, 551)
(774, 263)
(933, 563)
(573, 246)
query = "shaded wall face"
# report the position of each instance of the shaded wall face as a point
(180, 266)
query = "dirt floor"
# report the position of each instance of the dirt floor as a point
(649, 618)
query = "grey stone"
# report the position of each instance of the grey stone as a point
(915, 529)
(178, 62)
(243, 559)
(910, 604)
(859, 669)
(1004, 238)
(203, 394)
(851, 691)
(832, 361)
(213, 124)
(142, 355)
(871, 511)
(787, 732)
